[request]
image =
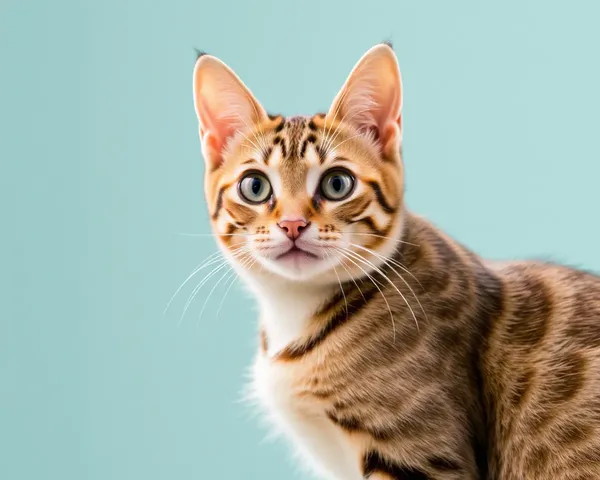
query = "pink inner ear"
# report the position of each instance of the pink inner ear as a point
(215, 131)
(371, 98)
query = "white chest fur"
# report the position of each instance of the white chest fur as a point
(321, 445)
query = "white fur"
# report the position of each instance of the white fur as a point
(320, 444)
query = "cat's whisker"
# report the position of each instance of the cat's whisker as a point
(241, 258)
(347, 140)
(387, 238)
(382, 273)
(218, 234)
(234, 276)
(390, 262)
(345, 255)
(240, 131)
(261, 135)
(325, 130)
(393, 262)
(354, 281)
(229, 281)
(333, 134)
(211, 259)
(206, 278)
(333, 117)
(260, 149)
(340, 282)
(207, 298)
(197, 288)
(337, 130)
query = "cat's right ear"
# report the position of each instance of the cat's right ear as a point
(371, 98)
(224, 106)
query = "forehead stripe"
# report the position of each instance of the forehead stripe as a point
(267, 155)
(283, 148)
(279, 127)
(322, 154)
(311, 138)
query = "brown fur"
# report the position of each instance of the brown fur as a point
(484, 372)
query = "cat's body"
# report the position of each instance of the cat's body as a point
(487, 387)
(387, 350)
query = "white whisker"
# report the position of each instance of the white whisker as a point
(261, 137)
(376, 286)
(234, 277)
(391, 262)
(354, 281)
(242, 260)
(340, 282)
(347, 140)
(199, 286)
(206, 278)
(378, 270)
(387, 238)
(337, 130)
(241, 132)
(216, 234)
(211, 259)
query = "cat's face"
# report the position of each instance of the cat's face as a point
(306, 198)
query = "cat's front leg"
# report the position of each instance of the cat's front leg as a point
(323, 447)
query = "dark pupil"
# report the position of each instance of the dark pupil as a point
(256, 185)
(337, 183)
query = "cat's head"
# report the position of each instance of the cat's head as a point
(305, 198)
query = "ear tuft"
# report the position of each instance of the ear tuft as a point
(199, 53)
(224, 106)
(371, 98)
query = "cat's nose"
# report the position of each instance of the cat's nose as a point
(293, 228)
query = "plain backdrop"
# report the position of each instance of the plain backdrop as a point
(101, 177)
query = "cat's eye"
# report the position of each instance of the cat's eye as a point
(337, 184)
(255, 188)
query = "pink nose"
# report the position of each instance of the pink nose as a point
(293, 228)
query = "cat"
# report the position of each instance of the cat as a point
(387, 350)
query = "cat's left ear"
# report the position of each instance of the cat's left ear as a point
(371, 98)
(224, 106)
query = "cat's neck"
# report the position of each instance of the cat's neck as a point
(286, 308)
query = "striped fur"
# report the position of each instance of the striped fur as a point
(393, 352)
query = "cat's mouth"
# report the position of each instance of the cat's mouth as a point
(296, 253)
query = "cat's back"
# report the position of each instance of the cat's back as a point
(541, 362)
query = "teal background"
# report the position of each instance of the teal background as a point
(101, 172)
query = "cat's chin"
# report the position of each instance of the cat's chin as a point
(298, 265)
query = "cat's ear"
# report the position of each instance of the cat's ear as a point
(224, 106)
(371, 98)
